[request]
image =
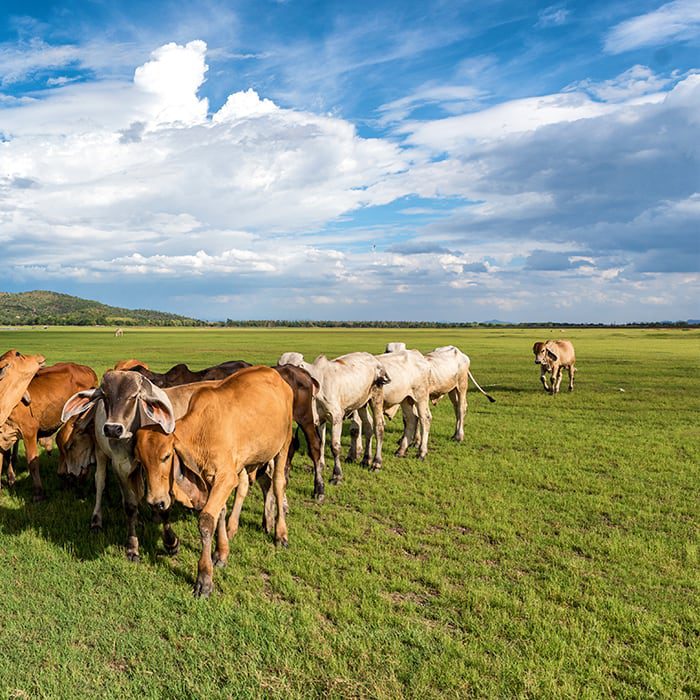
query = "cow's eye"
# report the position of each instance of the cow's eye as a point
(165, 457)
(17, 354)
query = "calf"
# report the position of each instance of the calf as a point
(554, 356)
(243, 423)
(40, 416)
(348, 383)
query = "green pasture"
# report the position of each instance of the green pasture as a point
(554, 554)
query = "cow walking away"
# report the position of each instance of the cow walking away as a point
(554, 356)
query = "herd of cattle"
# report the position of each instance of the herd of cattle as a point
(194, 437)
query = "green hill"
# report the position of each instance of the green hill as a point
(51, 308)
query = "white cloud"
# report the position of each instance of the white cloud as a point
(672, 22)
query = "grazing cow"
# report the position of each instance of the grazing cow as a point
(409, 389)
(40, 416)
(450, 374)
(348, 383)
(123, 402)
(554, 356)
(118, 333)
(240, 425)
(182, 374)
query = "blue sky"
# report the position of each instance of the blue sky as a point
(384, 160)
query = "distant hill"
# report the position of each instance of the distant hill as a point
(51, 308)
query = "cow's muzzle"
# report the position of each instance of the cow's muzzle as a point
(113, 430)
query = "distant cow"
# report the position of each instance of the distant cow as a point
(118, 333)
(553, 356)
(38, 415)
(242, 424)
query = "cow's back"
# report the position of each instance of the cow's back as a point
(564, 351)
(249, 413)
(449, 367)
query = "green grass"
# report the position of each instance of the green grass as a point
(555, 553)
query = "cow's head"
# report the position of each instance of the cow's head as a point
(76, 444)
(544, 355)
(291, 358)
(130, 364)
(129, 401)
(9, 434)
(16, 371)
(380, 376)
(171, 472)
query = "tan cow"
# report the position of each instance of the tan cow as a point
(554, 356)
(242, 424)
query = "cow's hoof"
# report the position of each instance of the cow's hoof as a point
(39, 496)
(203, 588)
(399, 453)
(282, 542)
(172, 549)
(133, 557)
(220, 563)
(336, 479)
(350, 459)
(376, 467)
(320, 497)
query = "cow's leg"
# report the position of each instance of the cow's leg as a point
(32, 451)
(221, 551)
(279, 485)
(355, 437)
(171, 543)
(12, 456)
(556, 382)
(458, 397)
(424, 418)
(367, 429)
(336, 432)
(313, 444)
(572, 370)
(241, 493)
(377, 405)
(265, 481)
(130, 499)
(100, 479)
(410, 420)
(543, 377)
(225, 482)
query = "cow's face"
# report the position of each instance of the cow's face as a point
(155, 452)
(544, 356)
(77, 447)
(16, 371)
(129, 401)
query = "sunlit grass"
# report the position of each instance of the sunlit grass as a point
(555, 553)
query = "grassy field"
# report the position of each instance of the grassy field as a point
(555, 553)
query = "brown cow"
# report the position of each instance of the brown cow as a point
(243, 423)
(554, 356)
(181, 373)
(40, 417)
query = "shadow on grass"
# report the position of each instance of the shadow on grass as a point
(64, 517)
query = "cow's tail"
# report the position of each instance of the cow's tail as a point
(476, 384)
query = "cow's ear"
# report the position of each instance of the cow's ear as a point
(87, 417)
(80, 402)
(551, 355)
(155, 407)
(189, 486)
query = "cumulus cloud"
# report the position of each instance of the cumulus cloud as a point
(592, 188)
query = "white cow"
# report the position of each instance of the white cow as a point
(410, 390)
(349, 383)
